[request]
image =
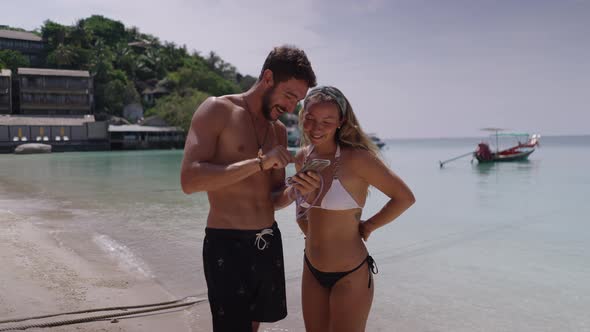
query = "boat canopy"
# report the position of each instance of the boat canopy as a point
(498, 130)
(513, 134)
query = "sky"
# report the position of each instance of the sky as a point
(410, 68)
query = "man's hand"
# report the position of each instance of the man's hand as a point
(306, 182)
(276, 158)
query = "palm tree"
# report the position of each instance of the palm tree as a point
(126, 60)
(213, 60)
(62, 56)
(53, 34)
(150, 64)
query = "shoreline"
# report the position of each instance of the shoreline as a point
(50, 267)
(41, 275)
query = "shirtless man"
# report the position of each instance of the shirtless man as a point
(236, 152)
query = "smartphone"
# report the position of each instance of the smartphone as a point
(316, 165)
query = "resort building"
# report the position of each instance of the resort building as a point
(55, 92)
(27, 43)
(5, 91)
(131, 137)
(72, 133)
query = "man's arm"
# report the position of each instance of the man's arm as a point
(197, 174)
(280, 192)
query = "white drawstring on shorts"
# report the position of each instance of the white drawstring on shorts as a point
(260, 238)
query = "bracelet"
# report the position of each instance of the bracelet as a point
(260, 163)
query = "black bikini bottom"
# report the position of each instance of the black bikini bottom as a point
(329, 279)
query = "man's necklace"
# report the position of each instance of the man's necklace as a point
(260, 153)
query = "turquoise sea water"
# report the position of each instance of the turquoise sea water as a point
(498, 247)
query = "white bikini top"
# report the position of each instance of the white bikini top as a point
(337, 197)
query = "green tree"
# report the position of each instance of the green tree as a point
(109, 31)
(195, 74)
(102, 69)
(224, 69)
(172, 56)
(149, 65)
(53, 34)
(133, 34)
(80, 35)
(66, 46)
(13, 59)
(245, 82)
(178, 110)
(126, 60)
(63, 56)
(119, 93)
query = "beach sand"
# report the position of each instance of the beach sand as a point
(40, 276)
(43, 274)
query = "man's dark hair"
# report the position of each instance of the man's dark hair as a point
(288, 62)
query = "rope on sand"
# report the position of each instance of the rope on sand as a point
(156, 307)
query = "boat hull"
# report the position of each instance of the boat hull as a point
(504, 158)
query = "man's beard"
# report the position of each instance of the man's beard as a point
(266, 107)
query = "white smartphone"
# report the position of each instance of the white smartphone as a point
(316, 165)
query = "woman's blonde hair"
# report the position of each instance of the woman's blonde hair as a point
(350, 132)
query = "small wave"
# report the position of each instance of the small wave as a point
(3, 211)
(9, 216)
(122, 254)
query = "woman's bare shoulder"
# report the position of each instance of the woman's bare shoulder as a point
(358, 155)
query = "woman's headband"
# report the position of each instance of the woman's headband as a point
(331, 92)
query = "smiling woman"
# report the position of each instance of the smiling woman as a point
(334, 117)
(337, 274)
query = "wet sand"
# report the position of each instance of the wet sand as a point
(40, 276)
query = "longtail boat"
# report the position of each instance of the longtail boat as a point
(525, 145)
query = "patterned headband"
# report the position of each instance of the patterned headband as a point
(331, 92)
